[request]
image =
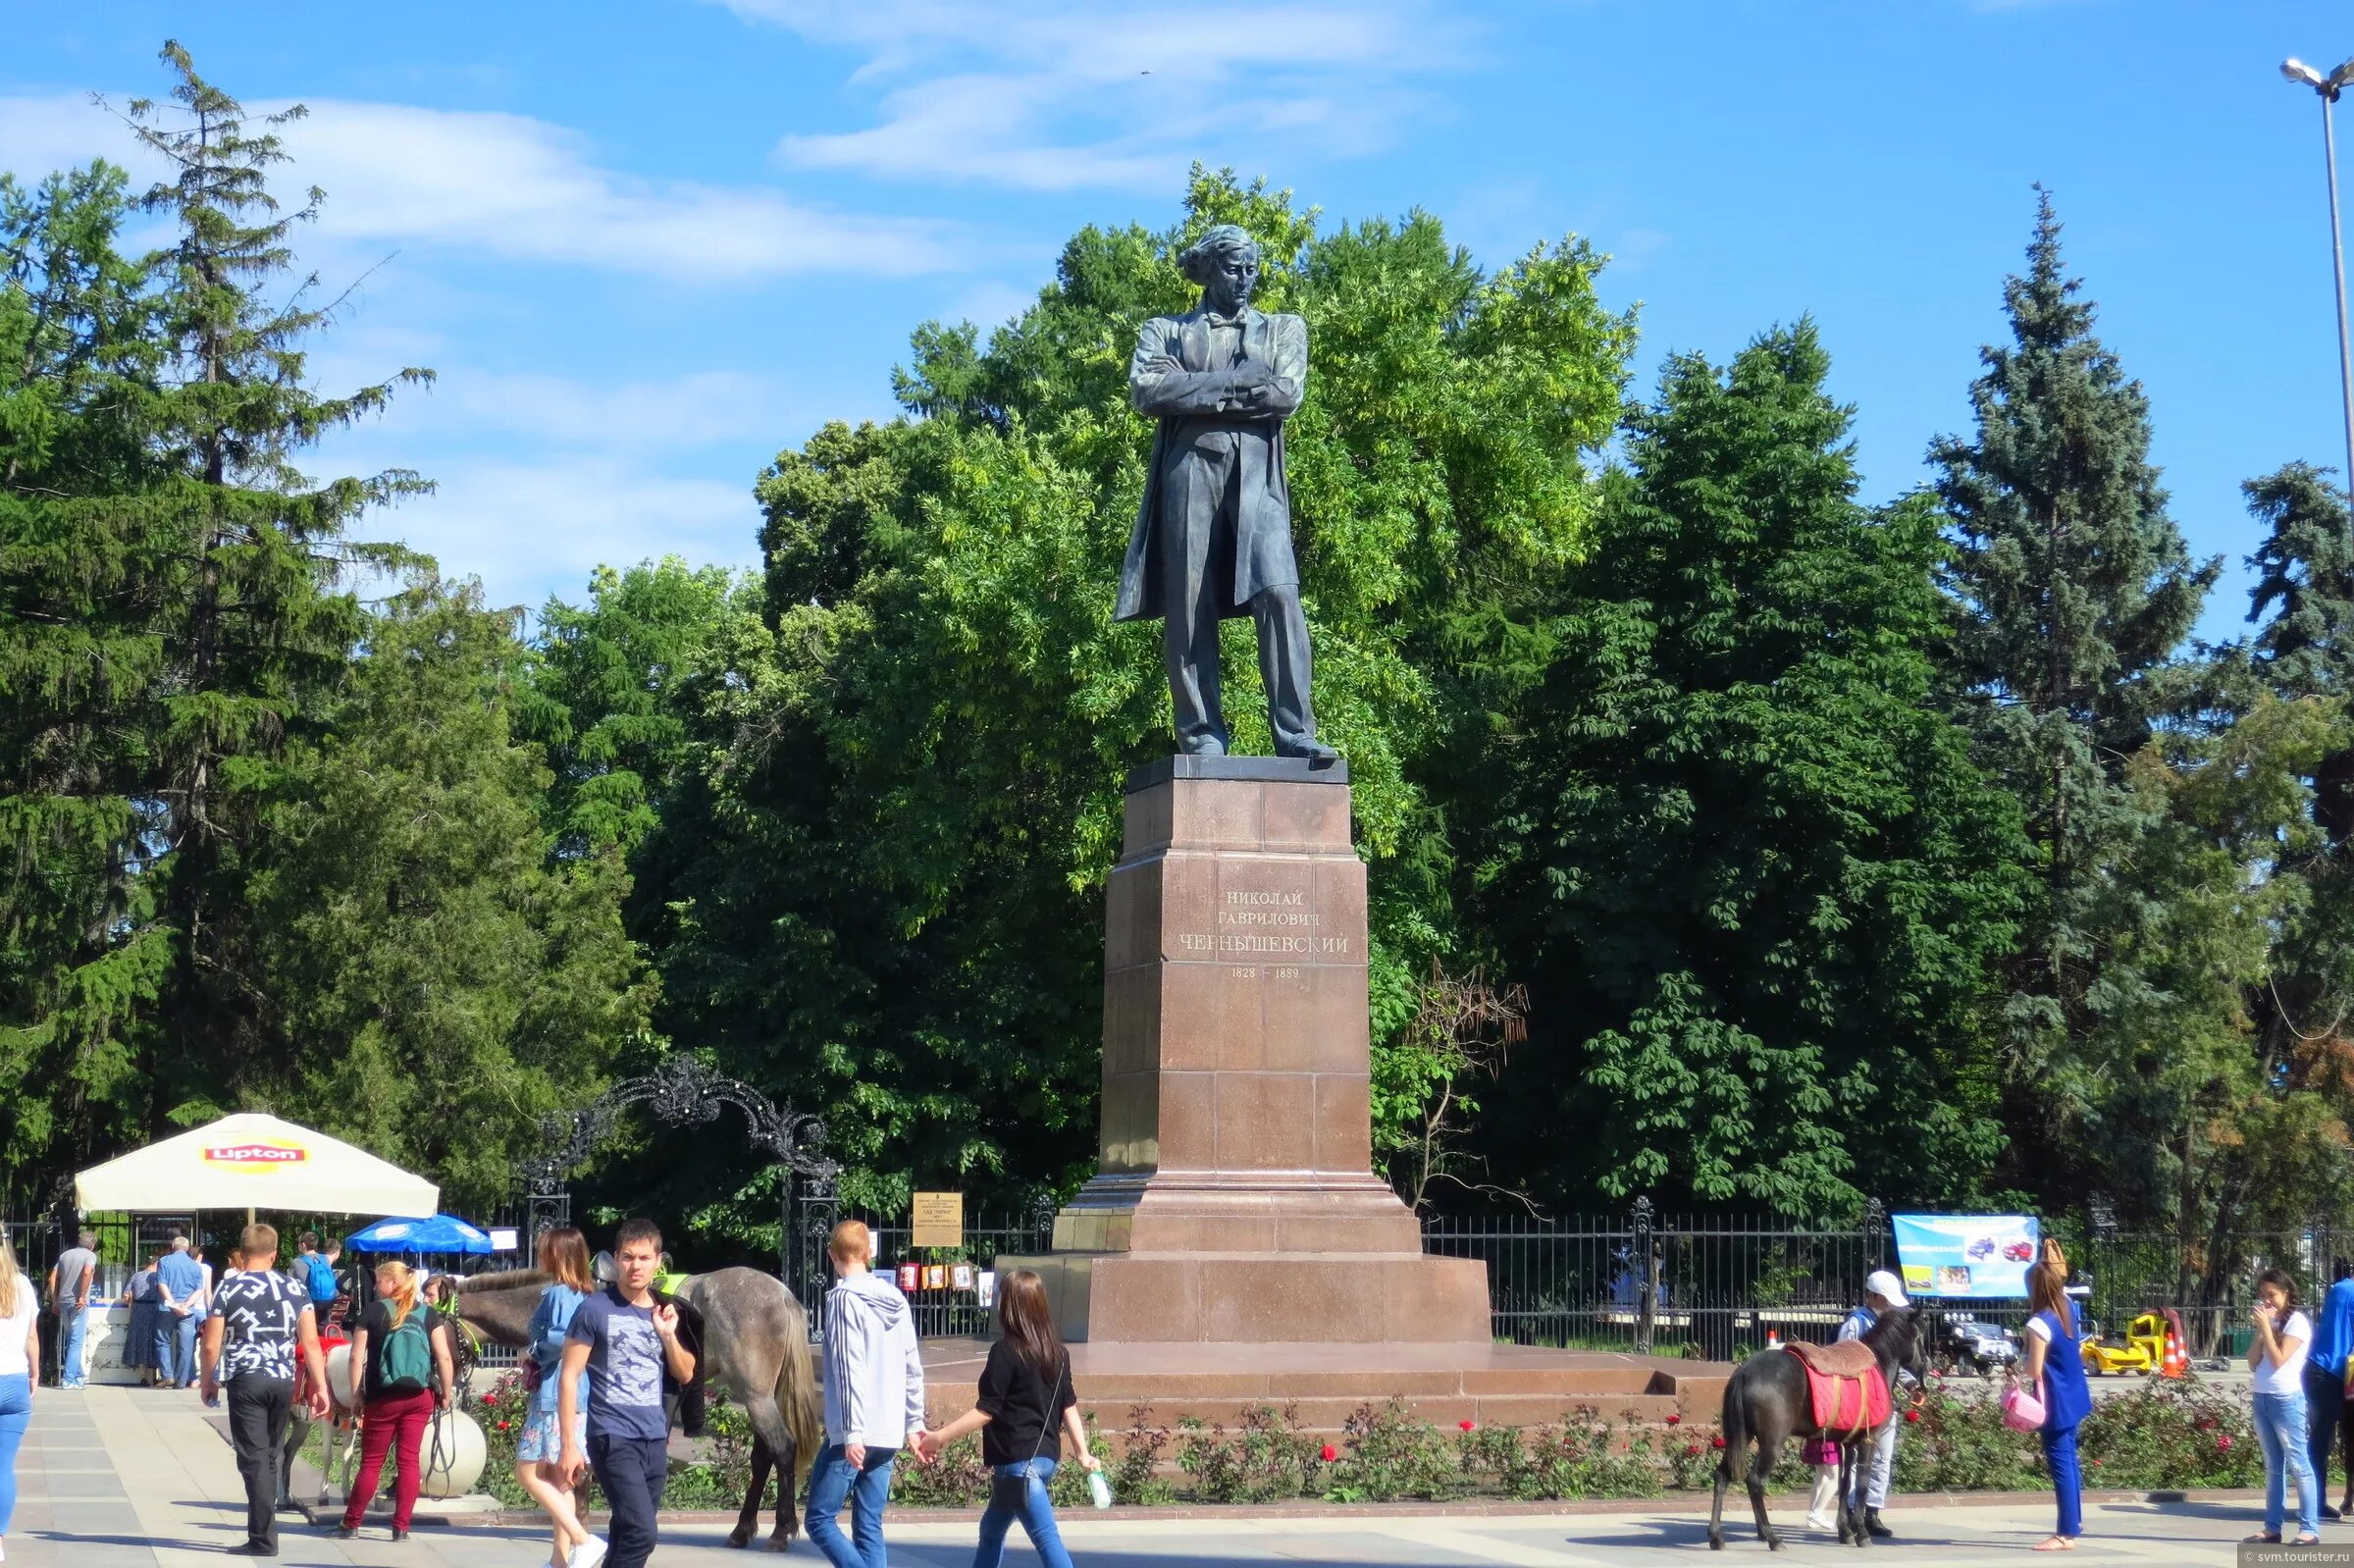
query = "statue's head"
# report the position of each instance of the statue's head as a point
(1226, 263)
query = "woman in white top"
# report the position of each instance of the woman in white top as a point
(2277, 1356)
(20, 1355)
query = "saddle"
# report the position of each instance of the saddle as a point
(1844, 1385)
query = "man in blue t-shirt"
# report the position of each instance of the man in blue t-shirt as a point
(624, 1338)
(2326, 1380)
(179, 1279)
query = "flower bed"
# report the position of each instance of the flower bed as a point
(2180, 1433)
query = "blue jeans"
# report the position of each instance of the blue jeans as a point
(2280, 1432)
(1037, 1518)
(75, 1321)
(15, 1414)
(2067, 1482)
(834, 1480)
(184, 1339)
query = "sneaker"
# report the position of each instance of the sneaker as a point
(1822, 1522)
(589, 1552)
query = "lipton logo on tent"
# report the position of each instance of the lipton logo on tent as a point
(256, 1156)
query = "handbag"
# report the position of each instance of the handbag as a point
(531, 1376)
(2022, 1408)
(1009, 1485)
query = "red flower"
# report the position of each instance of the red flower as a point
(1913, 1415)
(1329, 1454)
(503, 1426)
(1716, 1442)
(2223, 1442)
(1674, 1420)
(1692, 1450)
(1465, 1425)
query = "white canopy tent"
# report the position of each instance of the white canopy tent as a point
(250, 1161)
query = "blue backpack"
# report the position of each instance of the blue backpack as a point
(321, 1279)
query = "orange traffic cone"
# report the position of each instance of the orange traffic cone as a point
(2175, 1363)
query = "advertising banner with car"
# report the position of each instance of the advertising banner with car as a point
(1966, 1257)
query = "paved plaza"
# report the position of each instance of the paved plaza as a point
(122, 1478)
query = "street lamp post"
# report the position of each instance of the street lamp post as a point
(2328, 87)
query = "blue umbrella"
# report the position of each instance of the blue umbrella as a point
(443, 1232)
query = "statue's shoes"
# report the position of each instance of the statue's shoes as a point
(1315, 751)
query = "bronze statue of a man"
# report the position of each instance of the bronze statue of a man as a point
(1213, 538)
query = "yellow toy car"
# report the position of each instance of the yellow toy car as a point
(2135, 1354)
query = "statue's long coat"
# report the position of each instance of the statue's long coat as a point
(1169, 379)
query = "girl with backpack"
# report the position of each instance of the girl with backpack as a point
(1026, 1405)
(400, 1371)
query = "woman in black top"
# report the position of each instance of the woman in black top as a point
(402, 1371)
(1026, 1396)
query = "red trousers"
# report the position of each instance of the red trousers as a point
(388, 1419)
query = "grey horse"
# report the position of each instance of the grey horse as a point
(754, 1338)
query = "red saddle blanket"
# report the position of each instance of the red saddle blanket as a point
(1844, 1386)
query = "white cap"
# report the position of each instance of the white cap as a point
(1880, 1283)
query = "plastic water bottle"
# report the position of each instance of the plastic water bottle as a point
(1099, 1487)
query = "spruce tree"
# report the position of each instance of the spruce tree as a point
(2072, 590)
(84, 662)
(1752, 872)
(263, 619)
(2304, 598)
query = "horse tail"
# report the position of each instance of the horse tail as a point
(799, 1394)
(1736, 1424)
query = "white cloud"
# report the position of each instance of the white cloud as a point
(529, 529)
(1054, 95)
(674, 413)
(518, 188)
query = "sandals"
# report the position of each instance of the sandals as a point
(2264, 1537)
(2054, 1544)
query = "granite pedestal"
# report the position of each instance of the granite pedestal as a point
(1235, 1202)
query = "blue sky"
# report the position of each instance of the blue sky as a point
(647, 245)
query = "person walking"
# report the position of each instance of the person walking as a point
(563, 1256)
(20, 1361)
(139, 1295)
(873, 1402)
(1027, 1399)
(71, 1279)
(179, 1288)
(1882, 1292)
(623, 1337)
(2277, 1356)
(401, 1373)
(2055, 1371)
(261, 1323)
(2325, 1377)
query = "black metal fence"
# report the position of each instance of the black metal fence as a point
(1710, 1285)
(1715, 1285)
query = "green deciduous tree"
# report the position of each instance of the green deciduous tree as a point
(907, 798)
(1756, 875)
(432, 977)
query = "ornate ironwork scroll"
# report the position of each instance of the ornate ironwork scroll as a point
(685, 1092)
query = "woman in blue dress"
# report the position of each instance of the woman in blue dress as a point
(144, 1297)
(563, 1256)
(2056, 1368)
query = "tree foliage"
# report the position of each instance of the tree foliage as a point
(1756, 880)
(2074, 593)
(200, 720)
